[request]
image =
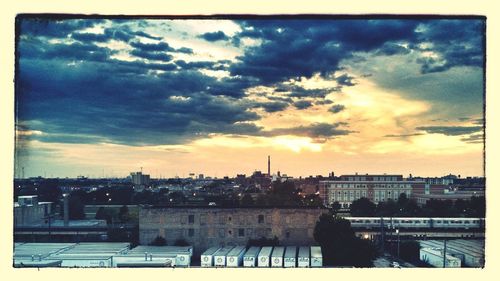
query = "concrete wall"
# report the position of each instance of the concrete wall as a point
(29, 215)
(208, 227)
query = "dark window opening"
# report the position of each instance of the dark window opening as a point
(261, 218)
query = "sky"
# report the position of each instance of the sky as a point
(105, 97)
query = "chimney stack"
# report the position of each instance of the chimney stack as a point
(268, 165)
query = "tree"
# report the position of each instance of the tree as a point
(478, 207)
(284, 194)
(123, 214)
(103, 214)
(387, 209)
(247, 200)
(75, 206)
(339, 244)
(363, 207)
(261, 200)
(49, 190)
(336, 207)
(263, 242)
(181, 242)
(158, 241)
(409, 251)
(312, 200)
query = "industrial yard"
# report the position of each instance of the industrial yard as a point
(121, 255)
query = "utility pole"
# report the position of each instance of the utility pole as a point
(382, 233)
(397, 232)
(444, 254)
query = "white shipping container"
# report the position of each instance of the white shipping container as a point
(141, 261)
(220, 256)
(316, 256)
(183, 259)
(304, 257)
(264, 257)
(235, 257)
(277, 257)
(290, 256)
(434, 257)
(83, 262)
(207, 258)
(251, 256)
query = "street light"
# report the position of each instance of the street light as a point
(397, 232)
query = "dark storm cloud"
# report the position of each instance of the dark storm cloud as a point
(318, 46)
(457, 42)
(74, 51)
(302, 104)
(301, 48)
(336, 108)
(299, 92)
(476, 138)
(123, 107)
(144, 34)
(403, 135)
(53, 28)
(451, 130)
(158, 47)
(151, 55)
(345, 80)
(315, 130)
(214, 36)
(272, 106)
(478, 121)
(323, 102)
(390, 49)
(211, 65)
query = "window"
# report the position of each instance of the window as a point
(241, 232)
(261, 218)
(190, 232)
(287, 234)
(230, 232)
(229, 218)
(191, 218)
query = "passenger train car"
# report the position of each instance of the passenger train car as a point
(409, 222)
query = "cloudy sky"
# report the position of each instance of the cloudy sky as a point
(105, 97)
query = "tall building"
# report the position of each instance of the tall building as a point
(377, 188)
(138, 178)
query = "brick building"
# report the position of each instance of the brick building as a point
(377, 188)
(204, 227)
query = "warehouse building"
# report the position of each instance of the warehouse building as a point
(469, 252)
(205, 227)
(435, 257)
(28, 211)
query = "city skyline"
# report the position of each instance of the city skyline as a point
(216, 97)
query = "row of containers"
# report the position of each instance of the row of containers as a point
(99, 255)
(279, 256)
